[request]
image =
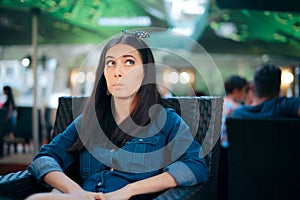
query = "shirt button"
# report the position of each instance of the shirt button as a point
(100, 183)
(111, 169)
(112, 150)
(141, 140)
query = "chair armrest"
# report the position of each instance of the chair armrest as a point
(199, 192)
(175, 193)
(19, 185)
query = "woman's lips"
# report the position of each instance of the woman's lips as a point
(118, 85)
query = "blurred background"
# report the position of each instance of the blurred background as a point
(50, 48)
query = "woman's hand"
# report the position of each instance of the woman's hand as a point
(122, 194)
(156, 183)
(80, 195)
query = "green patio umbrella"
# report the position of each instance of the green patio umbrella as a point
(69, 21)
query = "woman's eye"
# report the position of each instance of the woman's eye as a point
(110, 63)
(129, 62)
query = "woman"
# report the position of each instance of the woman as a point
(128, 145)
(9, 108)
(7, 117)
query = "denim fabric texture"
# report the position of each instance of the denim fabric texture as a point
(171, 149)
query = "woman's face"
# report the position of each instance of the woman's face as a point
(123, 71)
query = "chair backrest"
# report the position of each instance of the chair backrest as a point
(24, 123)
(203, 115)
(263, 158)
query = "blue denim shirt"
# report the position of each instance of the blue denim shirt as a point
(172, 149)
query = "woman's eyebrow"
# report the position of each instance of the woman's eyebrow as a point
(125, 56)
(108, 57)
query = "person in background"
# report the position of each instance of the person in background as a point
(235, 88)
(9, 106)
(248, 99)
(8, 118)
(266, 100)
(124, 149)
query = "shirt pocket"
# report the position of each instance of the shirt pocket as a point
(134, 155)
(89, 165)
(143, 145)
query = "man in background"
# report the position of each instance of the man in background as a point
(266, 101)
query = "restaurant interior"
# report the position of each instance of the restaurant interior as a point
(51, 48)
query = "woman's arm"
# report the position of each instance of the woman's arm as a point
(70, 189)
(61, 182)
(188, 166)
(54, 156)
(153, 184)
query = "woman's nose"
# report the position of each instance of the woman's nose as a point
(117, 75)
(118, 70)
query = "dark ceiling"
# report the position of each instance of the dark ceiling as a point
(232, 27)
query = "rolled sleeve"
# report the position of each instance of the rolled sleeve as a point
(182, 173)
(188, 168)
(43, 165)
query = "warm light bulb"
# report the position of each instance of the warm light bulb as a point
(90, 77)
(80, 77)
(173, 77)
(25, 62)
(184, 77)
(287, 77)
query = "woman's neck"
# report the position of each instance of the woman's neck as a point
(123, 107)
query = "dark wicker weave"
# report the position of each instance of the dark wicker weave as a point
(201, 113)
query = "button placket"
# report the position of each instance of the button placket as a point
(112, 151)
(100, 182)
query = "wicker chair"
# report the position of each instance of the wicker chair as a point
(263, 158)
(203, 113)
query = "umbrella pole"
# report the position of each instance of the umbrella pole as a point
(35, 82)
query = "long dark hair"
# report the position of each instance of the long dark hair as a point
(10, 97)
(98, 107)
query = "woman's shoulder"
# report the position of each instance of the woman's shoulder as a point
(171, 113)
(168, 117)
